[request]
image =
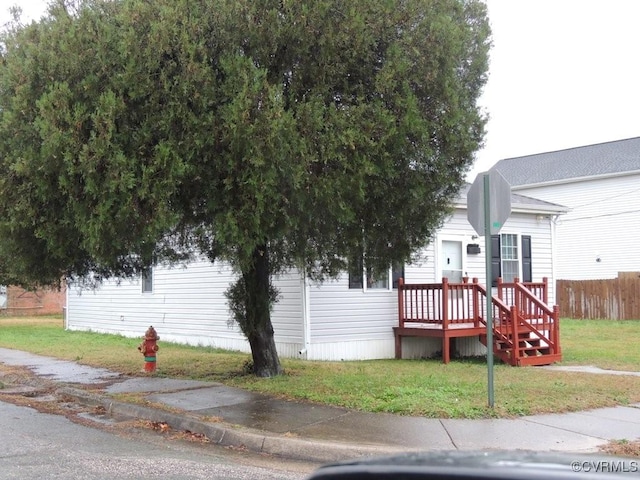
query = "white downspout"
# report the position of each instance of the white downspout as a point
(306, 316)
(553, 223)
(65, 308)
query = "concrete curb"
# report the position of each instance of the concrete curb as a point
(232, 436)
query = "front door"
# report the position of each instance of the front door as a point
(451, 260)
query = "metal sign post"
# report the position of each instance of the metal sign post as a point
(488, 207)
(489, 277)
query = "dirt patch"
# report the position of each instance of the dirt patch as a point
(15, 375)
(23, 390)
(622, 448)
(20, 386)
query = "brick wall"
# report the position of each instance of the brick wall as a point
(38, 302)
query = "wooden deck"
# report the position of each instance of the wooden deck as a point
(525, 328)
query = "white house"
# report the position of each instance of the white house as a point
(600, 184)
(349, 318)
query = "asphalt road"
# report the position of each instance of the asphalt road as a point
(36, 445)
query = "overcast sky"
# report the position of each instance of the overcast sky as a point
(563, 73)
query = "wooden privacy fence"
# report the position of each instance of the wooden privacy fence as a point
(615, 298)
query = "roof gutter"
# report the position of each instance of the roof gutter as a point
(527, 208)
(563, 181)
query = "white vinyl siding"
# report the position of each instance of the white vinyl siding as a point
(286, 316)
(188, 302)
(339, 313)
(540, 231)
(538, 227)
(187, 306)
(604, 224)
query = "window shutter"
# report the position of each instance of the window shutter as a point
(526, 259)
(147, 280)
(495, 260)
(397, 272)
(356, 279)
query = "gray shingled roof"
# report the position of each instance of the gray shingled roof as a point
(589, 161)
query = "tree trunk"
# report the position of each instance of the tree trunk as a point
(258, 328)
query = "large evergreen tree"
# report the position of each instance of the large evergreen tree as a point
(268, 133)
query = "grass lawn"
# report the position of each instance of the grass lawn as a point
(408, 387)
(608, 344)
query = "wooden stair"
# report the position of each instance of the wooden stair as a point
(527, 332)
(531, 350)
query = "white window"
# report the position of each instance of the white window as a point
(509, 257)
(372, 278)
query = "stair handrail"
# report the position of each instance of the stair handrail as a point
(500, 332)
(496, 301)
(534, 299)
(551, 312)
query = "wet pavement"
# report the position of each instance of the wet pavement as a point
(56, 370)
(231, 416)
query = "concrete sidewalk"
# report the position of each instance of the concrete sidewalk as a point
(230, 416)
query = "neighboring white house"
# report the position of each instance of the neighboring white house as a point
(600, 184)
(350, 318)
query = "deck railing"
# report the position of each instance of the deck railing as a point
(519, 308)
(439, 303)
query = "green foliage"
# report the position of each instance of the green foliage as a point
(136, 132)
(324, 128)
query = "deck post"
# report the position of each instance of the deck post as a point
(556, 329)
(401, 302)
(445, 303)
(401, 316)
(445, 320)
(545, 292)
(446, 350)
(516, 293)
(476, 303)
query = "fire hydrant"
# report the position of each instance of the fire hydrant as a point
(148, 348)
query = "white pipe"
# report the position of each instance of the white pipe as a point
(306, 314)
